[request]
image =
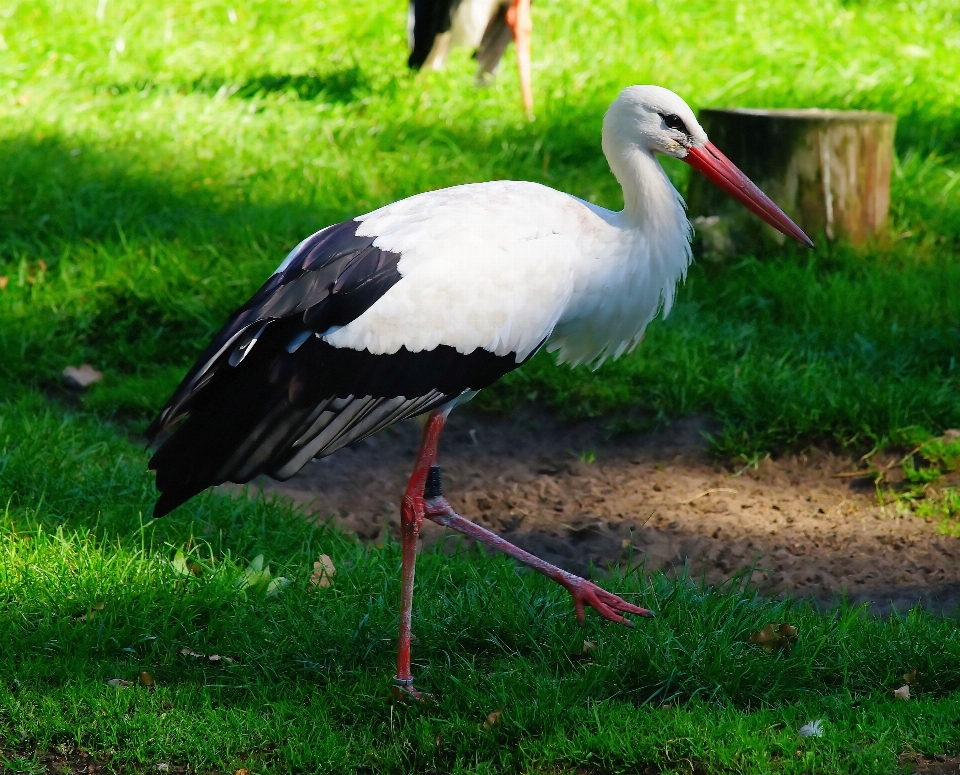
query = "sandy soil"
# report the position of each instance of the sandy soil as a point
(573, 496)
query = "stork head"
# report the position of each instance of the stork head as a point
(655, 120)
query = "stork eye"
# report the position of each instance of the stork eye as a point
(673, 121)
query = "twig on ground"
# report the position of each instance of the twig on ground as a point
(705, 492)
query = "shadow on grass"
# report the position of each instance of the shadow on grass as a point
(56, 189)
(342, 86)
(928, 131)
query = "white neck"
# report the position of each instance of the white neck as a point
(624, 287)
(650, 202)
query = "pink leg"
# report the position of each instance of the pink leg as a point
(607, 604)
(521, 22)
(411, 517)
(417, 504)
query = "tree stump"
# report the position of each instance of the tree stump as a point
(829, 170)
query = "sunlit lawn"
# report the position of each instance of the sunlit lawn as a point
(156, 162)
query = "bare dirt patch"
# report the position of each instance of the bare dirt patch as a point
(574, 496)
(76, 761)
(936, 765)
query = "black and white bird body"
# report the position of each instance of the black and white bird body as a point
(434, 27)
(413, 307)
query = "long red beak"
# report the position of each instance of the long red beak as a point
(724, 174)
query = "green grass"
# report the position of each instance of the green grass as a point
(156, 162)
(160, 160)
(88, 593)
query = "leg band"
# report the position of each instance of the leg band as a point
(433, 487)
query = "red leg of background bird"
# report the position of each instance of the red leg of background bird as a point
(521, 22)
(411, 517)
(583, 592)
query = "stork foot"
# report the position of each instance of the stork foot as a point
(584, 593)
(403, 691)
(607, 604)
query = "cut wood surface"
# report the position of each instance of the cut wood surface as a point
(829, 170)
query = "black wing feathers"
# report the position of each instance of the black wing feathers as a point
(496, 37)
(306, 286)
(269, 393)
(433, 17)
(430, 18)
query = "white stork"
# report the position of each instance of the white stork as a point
(435, 26)
(414, 307)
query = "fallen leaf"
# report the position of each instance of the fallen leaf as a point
(255, 574)
(257, 577)
(812, 729)
(81, 378)
(4, 282)
(764, 636)
(903, 693)
(775, 637)
(179, 563)
(187, 652)
(146, 680)
(119, 683)
(588, 647)
(493, 719)
(91, 614)
(787, 631)
(911, 677)
(274, 587)
(323, 572)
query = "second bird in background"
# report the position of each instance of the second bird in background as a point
(488, 26)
